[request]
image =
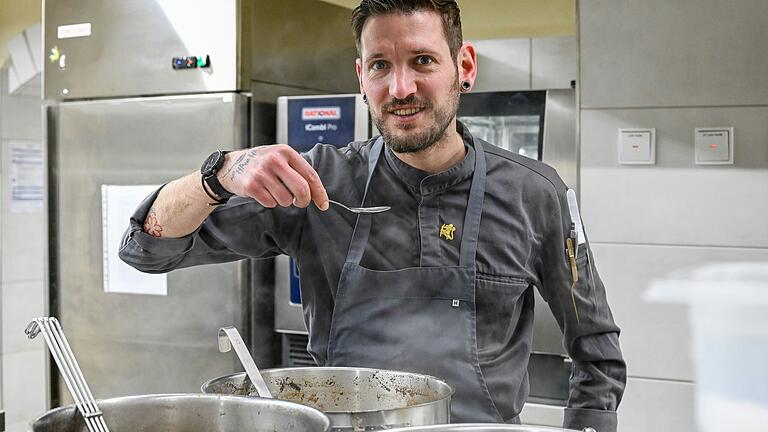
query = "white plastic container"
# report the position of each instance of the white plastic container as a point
(729, 322)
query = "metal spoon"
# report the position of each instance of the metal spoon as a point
(228, 337)
(368, 210)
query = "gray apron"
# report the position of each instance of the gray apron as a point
(419, 319)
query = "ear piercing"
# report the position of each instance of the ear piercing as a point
(465, 86)
(365, 98)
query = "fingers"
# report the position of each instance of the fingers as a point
(278, 175)
(263, 196)
(316, 189)
(297, 186)
(277, 189)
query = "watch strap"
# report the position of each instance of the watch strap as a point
(209, 178)
(217, 200)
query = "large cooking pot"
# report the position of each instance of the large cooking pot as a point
(190, 413)
(480, 427)
(355, 399)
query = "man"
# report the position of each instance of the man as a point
(441, 283)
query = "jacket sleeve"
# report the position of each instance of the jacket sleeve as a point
(590, 335)
(242, 228)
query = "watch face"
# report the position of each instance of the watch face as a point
(213, 162)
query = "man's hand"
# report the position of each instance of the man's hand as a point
(273, 175)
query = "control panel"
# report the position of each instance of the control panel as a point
(295, 283)
(191, 62)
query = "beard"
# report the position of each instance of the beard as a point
(418, 141)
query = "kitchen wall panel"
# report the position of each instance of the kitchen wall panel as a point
(23, 243)
(21, 115)
(675, 206)
(672, 66)
(554, 62)
(24, 383)
(526, 63)
(673, 53)
(653, 405)
(21, 303)
(503, 64)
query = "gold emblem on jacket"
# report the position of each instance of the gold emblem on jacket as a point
(446, 231)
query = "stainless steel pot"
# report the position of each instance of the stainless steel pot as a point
(480, 427)
(355, 399)
(190, 413)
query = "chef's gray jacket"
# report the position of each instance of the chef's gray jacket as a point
(522, 245)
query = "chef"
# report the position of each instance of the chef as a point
(442, 283)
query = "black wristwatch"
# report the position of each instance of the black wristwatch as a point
(210, 168)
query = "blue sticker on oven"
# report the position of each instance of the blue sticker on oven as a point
(321, 120)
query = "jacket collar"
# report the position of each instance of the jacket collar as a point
(424, 183)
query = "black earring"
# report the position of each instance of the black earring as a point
(365, 98)
(465, 86)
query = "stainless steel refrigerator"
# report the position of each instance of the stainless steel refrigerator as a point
(139, 92)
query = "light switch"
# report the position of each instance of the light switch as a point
(714, 146)
(637, 146)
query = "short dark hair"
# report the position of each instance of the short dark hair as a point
(448, 10)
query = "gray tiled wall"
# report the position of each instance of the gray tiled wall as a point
(673, 66)
(656, 53)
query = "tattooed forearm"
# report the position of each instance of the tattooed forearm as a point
(151, 226)
(240, 164)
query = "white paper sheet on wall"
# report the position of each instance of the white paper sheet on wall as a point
(26, 177)
(117, 205)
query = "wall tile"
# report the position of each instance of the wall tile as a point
(24, 385)
(22, 117)
(503, 64)
(651, 405)
(23, 242)
(22, 301)
(554, 62)
(672, 53)
(675, 207)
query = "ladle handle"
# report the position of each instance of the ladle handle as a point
(231, 338)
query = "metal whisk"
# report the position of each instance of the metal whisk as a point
(70, 370)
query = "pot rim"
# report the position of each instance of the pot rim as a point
(489, 426)
(213, 396)
(450, 388)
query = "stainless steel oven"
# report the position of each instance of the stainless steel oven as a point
(303, 121)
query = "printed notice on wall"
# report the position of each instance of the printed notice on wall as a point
(117, 205)
(26, 176)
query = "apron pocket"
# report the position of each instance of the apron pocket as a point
(499, 301)
(504, 319)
